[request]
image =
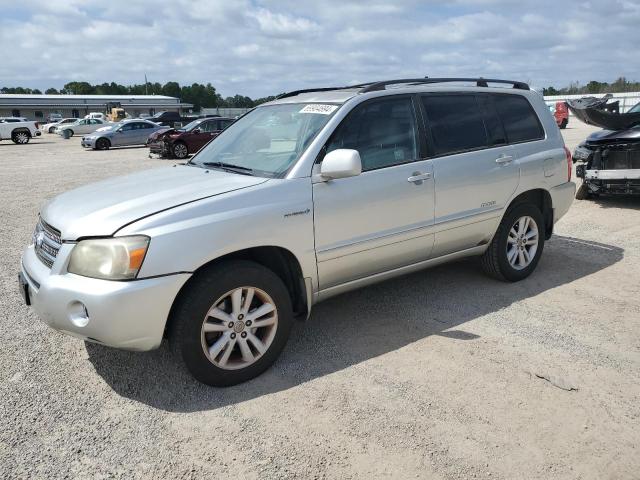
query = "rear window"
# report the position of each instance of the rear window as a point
(520, 122)
(456, 123)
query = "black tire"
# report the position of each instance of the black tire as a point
(51, 129)
(583, 192)
(103, 144)
(564, 124)
(190, 311)
(495, 262)
(68, 133)
(21, 137)
(180, 150)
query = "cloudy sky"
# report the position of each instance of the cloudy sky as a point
(263, 47)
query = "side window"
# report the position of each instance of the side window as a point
(456, 123)
(127, 127)
(520, 121)
(492, 123)
(208, 127)
(225, 123)
(383, 131)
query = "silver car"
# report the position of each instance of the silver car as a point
(305, 197)
(124, 133)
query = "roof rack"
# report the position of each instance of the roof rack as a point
(480, 82)
(323, 89)
(375, 86)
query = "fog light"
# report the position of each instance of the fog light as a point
(78, 314)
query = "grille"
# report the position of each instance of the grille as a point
(46, 242)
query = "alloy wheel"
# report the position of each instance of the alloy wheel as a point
(180, 150)
(21, 137)
(239, 328)
(522, 242)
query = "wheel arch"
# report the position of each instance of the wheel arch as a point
(21, 130)
(277, 259)
(540, 198)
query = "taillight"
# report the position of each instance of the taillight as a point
(569, 163)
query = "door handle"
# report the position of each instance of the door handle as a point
(504, 159)
(418, 177)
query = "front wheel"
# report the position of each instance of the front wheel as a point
(231, 322)
(103, 144)
(180, 150)
(517, 245)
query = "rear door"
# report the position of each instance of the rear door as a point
(475, 170)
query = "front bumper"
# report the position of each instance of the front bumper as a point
(88, 142)
(561, 199)
(617, 181)
(131, 315)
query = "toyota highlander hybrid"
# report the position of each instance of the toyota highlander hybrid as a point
(305, 197)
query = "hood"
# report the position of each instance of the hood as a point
(160, 132)
(613, 136)
(101, 209)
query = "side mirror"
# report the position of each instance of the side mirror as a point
(196, 130)
(341, 163)
(119, 130)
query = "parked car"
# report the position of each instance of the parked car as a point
(13, 119)
(608, 161)
(18, 132)
(561, 114)
(171, 119)
(83, 126)
(223, 253)
(53, 118)
(98, 115)
(127, 132)
(51, 127)
(181, 142)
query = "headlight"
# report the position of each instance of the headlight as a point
(117, 258)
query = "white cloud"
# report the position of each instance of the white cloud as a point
(262, 47)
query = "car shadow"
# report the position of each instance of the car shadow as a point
(10, 143)
(617, 201)
(356, 326)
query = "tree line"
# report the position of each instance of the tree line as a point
(199, 95)
(576, 88)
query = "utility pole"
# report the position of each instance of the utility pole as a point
(146, 92)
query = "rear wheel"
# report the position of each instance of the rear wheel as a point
(180, 150)
(103, 144)
(20, 137)
(583, 192)
(68, 133)
(517, 245)
(563, 123)
(231, 322)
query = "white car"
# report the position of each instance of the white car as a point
(51, 127)
(84, 126)
(18, 132)
(305, 197)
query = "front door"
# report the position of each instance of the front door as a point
(381, 219)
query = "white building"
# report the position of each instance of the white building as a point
(38, 107)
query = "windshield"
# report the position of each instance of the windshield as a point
(268, 140)
(635, 108)
(191, 125)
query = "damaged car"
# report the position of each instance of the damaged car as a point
(182, 142)
(608, 161)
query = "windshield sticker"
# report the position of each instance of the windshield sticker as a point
(319, 108)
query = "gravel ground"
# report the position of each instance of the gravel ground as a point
(440, 374)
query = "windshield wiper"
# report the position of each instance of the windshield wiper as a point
(229, 167)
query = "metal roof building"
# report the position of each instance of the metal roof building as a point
(38, 107)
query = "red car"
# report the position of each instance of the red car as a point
(561, 114)
(182, 142)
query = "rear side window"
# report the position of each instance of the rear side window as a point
(456, 123)
(520, 122)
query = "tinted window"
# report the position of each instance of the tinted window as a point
(208, 127)
(455, 122)
(143, 125)
(225, 123)
(126, 127)
(520, 121)
(492, 123)
(384, 132)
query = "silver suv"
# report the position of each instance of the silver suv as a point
(305, 197)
